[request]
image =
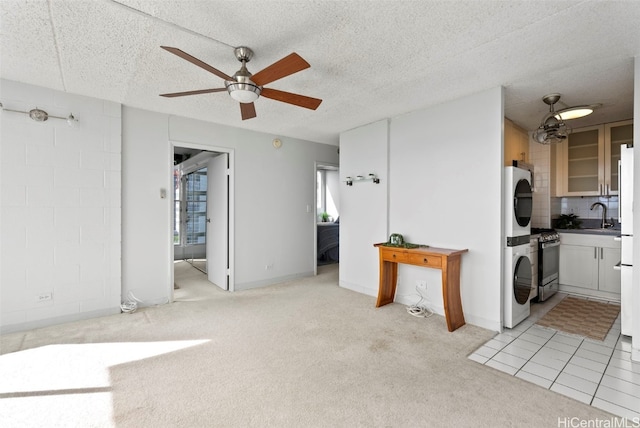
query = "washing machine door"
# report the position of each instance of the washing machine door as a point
(522, 202)
(522, 280)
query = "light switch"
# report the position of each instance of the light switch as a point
(163, 193)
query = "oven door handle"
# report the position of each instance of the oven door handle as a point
(545, 245)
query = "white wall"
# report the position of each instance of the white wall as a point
(444, 189)
(274, 201)
(364, 205)
(60, 208)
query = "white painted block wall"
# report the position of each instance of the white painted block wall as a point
(442, 187)
(60, 208)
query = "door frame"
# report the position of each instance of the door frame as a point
(316, 166)
(231, 206)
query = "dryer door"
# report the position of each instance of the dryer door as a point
(522, 203)
(522, 280)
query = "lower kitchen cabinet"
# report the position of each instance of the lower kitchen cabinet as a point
(586, 265)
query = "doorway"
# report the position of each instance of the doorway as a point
(202, 213)
(327, 224)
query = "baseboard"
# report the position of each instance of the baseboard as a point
(271, 281)
(47, 322)
(358, 288)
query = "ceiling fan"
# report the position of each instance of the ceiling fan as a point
(245, 87)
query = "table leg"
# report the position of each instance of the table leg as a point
(451, 292)
(387, 286)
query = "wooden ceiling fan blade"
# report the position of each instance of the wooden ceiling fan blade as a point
(288, 65)
(201, 91)
(197, 62)
(247, 110)
(288, 97)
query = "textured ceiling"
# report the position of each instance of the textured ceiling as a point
(369, 59)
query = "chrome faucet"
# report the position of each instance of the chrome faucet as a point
(604, 213)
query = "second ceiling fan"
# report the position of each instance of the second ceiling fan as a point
(245, 87)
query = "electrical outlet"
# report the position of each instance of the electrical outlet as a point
(268, 266)
(44, 297)
(422, 285)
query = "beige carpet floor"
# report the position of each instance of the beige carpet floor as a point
(583, 317)
(301, 354)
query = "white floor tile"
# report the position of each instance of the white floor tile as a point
(569, 392)
(577, 383)
(626, 365)
(590, 355)
(559, 346)
(495, 344)
(540, 381)
(521, 343)
(582, 373)
(533, 338)
(567, 339)
(594, 347)
(540, 370)
(630, 415)
(478, 358)
(588, 364)
(554, 354)
(620, 398)
(621, 385)
(510, 360)
(621, 355)
(512, 349)
(543, 332)
(623, 374)
(506, 338)
(502, 367)
(485, 351)
(548, 362)
(624, 344)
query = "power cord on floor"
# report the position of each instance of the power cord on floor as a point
(420, 309)
(130, 304)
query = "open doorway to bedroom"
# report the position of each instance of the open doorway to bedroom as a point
(201, 222)
(327, 227)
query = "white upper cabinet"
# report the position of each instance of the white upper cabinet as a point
(587, 161)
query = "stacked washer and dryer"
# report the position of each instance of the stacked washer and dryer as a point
(517, 259)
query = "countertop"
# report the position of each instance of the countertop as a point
(595, 231)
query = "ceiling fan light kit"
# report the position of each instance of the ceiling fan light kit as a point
(575, 112)
(245, 87)
(552, 129)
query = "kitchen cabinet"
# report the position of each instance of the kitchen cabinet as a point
(516, 143)
(587, 161)
(586, 265)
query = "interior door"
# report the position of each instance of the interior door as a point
(218, 221)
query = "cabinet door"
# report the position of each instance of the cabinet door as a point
(516, 143)
(583, 162)
(615, 134)
(579, 266)
(608, 277)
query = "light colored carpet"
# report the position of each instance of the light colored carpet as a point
(582, 317)
(301, 354)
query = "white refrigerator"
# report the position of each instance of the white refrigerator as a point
(625, 214)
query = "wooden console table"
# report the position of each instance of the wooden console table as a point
(448, 261)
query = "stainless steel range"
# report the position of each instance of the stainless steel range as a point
(548, 262)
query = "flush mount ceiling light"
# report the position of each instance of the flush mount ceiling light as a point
(40, 115)
(552, 129)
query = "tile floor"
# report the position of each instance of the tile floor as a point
(599, 373)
